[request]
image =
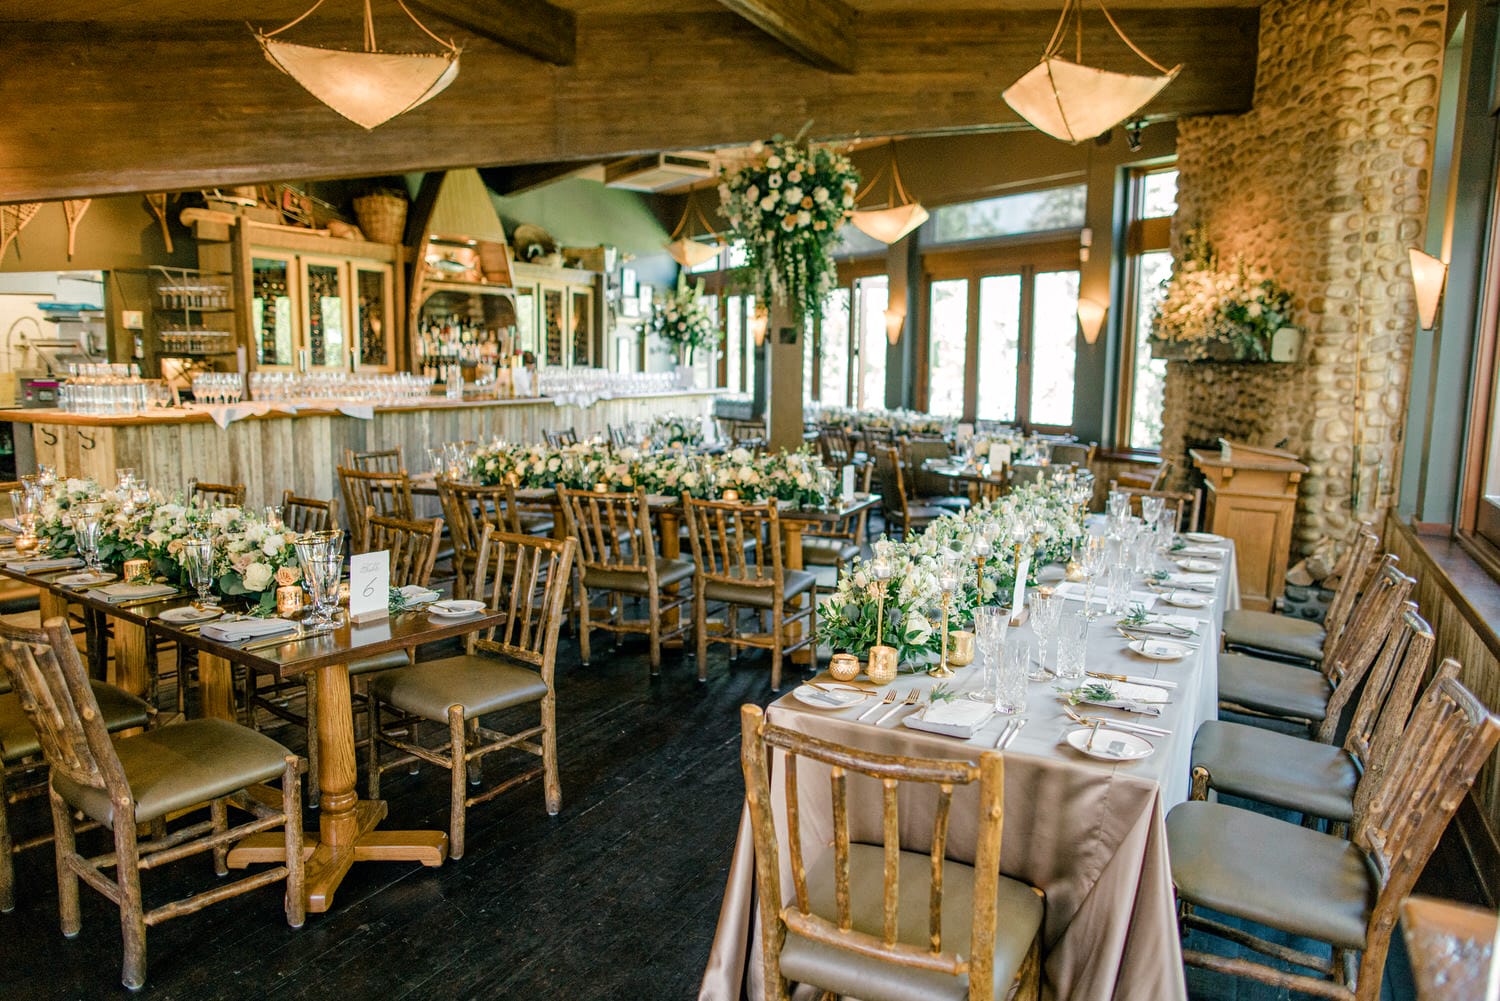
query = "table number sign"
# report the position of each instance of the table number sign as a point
(999, 456)
(848, 475)
(370, 586)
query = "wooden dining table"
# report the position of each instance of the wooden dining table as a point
(1089, 834)
(348, 826)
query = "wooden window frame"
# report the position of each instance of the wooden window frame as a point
(1142, 236)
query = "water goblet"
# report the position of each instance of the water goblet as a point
(88, 523)
(1072, 647)
(1151, 509)
(1046, 607)
(989, 639)
(198, 559)
(1117, 598)
(1015, 671)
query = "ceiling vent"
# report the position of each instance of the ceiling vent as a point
(659, 172)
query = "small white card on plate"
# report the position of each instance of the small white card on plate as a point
(370, 586)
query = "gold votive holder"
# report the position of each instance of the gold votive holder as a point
(288, 600)
(344, 594)
(844, 667)
(137, 571)
(26, 544)
(730, 495)
(1075, 570)
(882, 665)
(960, 648)
(601, 488)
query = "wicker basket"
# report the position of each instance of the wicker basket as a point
(381, 217)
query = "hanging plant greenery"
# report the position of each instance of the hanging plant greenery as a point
(787, 203)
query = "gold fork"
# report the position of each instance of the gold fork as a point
(910, 700)
(890, 697)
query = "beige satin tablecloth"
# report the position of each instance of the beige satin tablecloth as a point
(1090, 834)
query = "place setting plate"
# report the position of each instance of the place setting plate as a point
(830, 695)
(1207, 537)
(187, 614)
(1163, 650)
(85, 578)
(1195, 565)
(1187, 599)
(1109, 744)
(455, 608)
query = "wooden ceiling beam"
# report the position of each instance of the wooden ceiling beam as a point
(197, 106)
(820, 31)
(534, 27)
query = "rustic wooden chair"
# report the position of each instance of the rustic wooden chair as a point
(617, 556)
(619, 437)
(306, 514)
(1273, 689)
(217, 494)
(748, 434)
(836, 543)
(928, 488)
(869, 920)
(1074, 453)
(1347, 894)
(1301, 641)
(1185, 502)
(559, 439)
(126, 782)
(835, 446)
(729, 569)
(896, 505)
(381, 460)
(23, 768)
(1451, 947)
(1322, 780)
(510, 665)
(1021, 474)
(388, 493)
(413, 544)
(468, 508)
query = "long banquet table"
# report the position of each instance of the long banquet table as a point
(1091, 835)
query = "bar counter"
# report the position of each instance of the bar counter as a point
(301, 451)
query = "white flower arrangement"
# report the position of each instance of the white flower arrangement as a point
(900, 421)
(1217, 313)
(681, 318)
(787, 203)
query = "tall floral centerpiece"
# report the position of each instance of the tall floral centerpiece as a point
(786, 203)
(682, 319)
(1217, 312)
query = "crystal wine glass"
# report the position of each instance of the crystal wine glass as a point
(198, 558)
(87, 525)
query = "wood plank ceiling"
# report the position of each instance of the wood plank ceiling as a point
(151, 95)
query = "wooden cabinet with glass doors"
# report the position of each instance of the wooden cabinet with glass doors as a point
(556, 315)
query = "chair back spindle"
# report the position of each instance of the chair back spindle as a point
(388, 493)
(383, 460)
(307, 514)
(413, 546)
(525, 577)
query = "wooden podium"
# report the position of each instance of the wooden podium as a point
(1252, 499)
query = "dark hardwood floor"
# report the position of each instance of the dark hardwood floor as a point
(615, 898)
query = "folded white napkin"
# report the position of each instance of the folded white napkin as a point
(1206, 552)
(34, 566)
(1193, 581)
(246, 629)
(1126, 691)
(130, 592)
(416, 594)
(960, 717)
(1073, 591)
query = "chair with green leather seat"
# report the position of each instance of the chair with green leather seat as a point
(928, 488)
(873, 920)
(1302, 641)
(506, 666)
(729, 570)
(836, 543)
(896, 503)
(1345, 894)
(1317, 779)
(617, 557)
(21, 754)
(124, 783)
(1277, 690)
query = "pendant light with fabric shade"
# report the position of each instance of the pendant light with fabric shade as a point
(686, 250)
(899, 218)
(367, 86)
(1073, 102)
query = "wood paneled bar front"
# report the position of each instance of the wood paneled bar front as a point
(301, 451)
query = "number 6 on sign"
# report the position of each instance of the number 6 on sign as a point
(370, 586)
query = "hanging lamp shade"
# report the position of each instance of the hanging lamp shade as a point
(1073, 102)
(902, 215)
(368, 87)
(686, 250)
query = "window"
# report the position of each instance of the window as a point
(1148, 262)
(1000, 333)
(843, 353)
(871, 297)
(1008, 215)
(728, 258)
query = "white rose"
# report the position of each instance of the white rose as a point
(918, 630)
(272, 544)
(257, 576)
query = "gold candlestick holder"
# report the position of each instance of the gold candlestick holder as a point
(882, 659)
(942, 670)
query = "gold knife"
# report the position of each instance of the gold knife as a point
(137, 602)
(281, 638)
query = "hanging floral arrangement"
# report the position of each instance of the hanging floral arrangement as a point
(787, 203)
(682, 318)
(1214, 312)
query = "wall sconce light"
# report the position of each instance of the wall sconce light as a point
(758, 324)
(1428, 276)
(1091, 318)
(895, 319)
(1085, 243)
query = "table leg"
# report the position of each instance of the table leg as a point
(215, 687)
(791, 554)
(131, 670)
(346, 823)
(669, 530)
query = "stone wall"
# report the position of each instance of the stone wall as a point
(1323, 184)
